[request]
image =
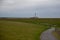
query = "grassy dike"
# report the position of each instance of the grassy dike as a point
(11, 30)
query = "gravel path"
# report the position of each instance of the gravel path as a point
(47, 35)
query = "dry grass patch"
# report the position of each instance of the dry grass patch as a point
(56, 35)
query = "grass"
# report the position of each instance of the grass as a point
(56, 35)
(10, 30)
(35, 21)
(23, 28)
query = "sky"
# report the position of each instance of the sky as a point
(28, 8)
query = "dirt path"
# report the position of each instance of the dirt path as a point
(47, 35)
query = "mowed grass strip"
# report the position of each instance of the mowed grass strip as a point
(20, 31)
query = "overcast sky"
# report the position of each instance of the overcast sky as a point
(27, 8)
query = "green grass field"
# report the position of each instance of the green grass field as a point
(20, 31)
(23, 29)
(35, 21)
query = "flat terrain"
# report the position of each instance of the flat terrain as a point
(25, 28)
(20, 31)
(35, 20)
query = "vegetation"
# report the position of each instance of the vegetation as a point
(35, 20)
(56, 35)
(20, 31)
(25, 28)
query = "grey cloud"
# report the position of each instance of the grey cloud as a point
(1, 1)
(50, 9)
